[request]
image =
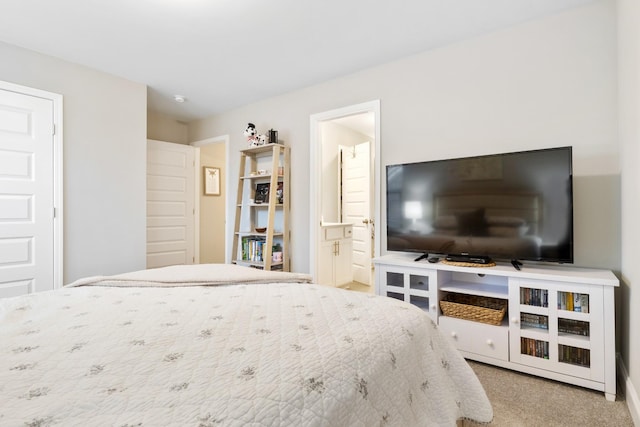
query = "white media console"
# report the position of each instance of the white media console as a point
(560, 321)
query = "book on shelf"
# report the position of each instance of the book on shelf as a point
(574, 327)
(252, 248)
(576, 302)
(584, 302)
(535, 297)
(534, 321)
(535, 348)
(571, 301)
(574, 355)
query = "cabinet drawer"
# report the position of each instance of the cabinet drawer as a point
(337, 232)
(478, 338)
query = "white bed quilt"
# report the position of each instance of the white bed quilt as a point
(239, 355)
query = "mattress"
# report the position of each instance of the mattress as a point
(216, 348)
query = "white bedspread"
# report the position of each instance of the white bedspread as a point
(240, 355)
(196, 274)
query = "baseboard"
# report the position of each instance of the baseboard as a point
(630, 393)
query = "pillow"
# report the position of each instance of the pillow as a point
(472, 223)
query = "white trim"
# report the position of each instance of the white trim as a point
(630, 393)
(58, 221)
(314, 162)
(196, 206)
(228, 235)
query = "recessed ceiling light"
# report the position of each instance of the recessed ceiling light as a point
(179, 98)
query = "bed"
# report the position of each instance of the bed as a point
(212, 345)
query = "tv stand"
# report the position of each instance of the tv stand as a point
(560, 323)
(516, 264)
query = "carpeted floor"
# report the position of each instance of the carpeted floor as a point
(525, 400)
(358, 287)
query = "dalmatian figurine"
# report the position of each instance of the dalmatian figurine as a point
(263, 139)
(250, 132)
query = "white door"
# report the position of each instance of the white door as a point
(356, 206)
(170, 204)
(26, 194)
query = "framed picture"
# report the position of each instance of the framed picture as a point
(211, 181)
(262, 193)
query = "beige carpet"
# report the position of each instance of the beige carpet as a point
(358, 287)
(525, 400)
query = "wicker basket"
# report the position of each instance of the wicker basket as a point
(475, 308)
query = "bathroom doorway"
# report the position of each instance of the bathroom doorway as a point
(345, 176)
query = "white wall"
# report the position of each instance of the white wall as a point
(161, 127)
(104, 157)
(546, 83)
(212, 208)
(629, 114)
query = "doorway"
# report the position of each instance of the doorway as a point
(213, 239)
(350, 126)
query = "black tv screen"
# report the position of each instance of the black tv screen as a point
(510, 206)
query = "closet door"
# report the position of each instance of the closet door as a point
(170, 204)
(26, 193)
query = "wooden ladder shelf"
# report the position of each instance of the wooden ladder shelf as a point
(252, 247)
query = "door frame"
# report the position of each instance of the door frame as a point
(228, 231)
(58, 206)
(315, 163)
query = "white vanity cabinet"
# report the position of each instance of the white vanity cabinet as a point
(559, 321)
(336, 248)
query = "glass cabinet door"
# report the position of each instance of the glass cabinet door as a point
(413, 285)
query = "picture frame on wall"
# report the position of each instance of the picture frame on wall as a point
(211, 181)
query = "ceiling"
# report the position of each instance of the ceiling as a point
(364, 123)
(222, 54)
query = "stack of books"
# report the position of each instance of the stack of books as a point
(536, 297)
(252, 248)
(571, 301)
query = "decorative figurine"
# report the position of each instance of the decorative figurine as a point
(250, 132)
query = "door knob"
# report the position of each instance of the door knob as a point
(365, 221)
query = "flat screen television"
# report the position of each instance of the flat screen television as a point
(509, 206)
